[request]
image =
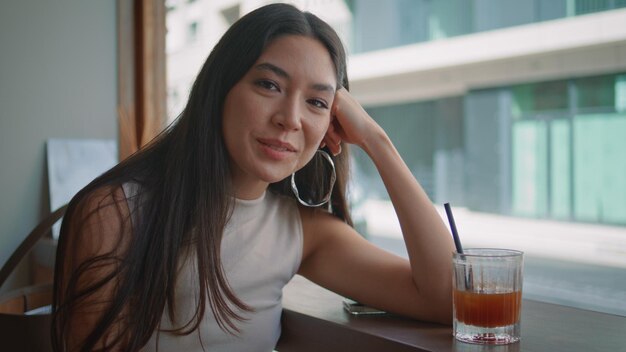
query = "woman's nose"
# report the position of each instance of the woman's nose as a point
(289, 114)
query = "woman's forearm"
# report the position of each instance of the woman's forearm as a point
(428, 242)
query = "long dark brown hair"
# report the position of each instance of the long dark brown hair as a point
(183, 203)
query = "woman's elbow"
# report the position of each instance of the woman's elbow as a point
(441, 303)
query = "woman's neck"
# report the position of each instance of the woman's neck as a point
(249, 191)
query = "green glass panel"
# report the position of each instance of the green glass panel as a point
(589, 6)
(449, 18)
(614, 178)
(620, 93)
(587, 167)
(600, 168)
(522, 101)
(560, 169)
(529, 186)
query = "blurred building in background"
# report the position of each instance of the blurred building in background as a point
(501, 106)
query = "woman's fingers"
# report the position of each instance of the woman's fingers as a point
(333, 139)
(332, 145)
(331, 134)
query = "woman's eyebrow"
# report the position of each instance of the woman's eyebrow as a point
(266, 66)
(323, 87)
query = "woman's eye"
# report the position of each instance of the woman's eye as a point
(318, 103)
(269, 85)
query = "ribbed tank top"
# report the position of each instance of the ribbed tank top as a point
(261, 251)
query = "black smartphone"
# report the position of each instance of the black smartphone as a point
(356, 308)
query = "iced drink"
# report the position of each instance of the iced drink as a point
(487, 295)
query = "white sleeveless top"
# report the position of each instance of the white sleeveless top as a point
(261, 251)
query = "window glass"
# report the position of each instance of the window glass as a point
(566, 161)
(560, 179)
(620, 93)
(536, 97)
(401, 22)
(231, 14)
(449, 18)
(192, 32)
(397, 23)
(429, 137)
(582, 7)
(529, 168)
(550, 96)
(523, 100)
(589, 6)
(596, 92)
(523, 164)
(551, 9)
(404, 123)
(599, 168)
(494, 14)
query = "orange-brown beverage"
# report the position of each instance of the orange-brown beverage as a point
(487, 295)
(487, 309)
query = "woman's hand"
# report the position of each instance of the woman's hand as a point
(349, 123)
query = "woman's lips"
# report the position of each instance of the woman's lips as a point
(276, 149)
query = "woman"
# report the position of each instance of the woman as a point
(187, 244)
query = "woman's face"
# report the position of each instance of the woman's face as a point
(276, 116)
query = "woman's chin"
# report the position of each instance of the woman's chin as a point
(274, 175)
(276, 179)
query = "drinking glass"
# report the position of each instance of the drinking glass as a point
(487, 295)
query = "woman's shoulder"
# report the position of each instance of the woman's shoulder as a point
(99, 219)
(319, 226)
(315, 217)
(105, 199)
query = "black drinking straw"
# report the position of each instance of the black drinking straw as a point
(455, 234)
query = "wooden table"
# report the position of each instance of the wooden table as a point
(314, 320)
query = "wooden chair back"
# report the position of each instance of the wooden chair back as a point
(20, 330)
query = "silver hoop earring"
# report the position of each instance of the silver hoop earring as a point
(333, 177)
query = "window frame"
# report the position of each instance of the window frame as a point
(141, 108)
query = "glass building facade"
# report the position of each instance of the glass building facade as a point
(568, 142)
(551, 149)
(547, 148)
(386, 24)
